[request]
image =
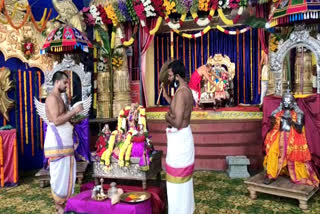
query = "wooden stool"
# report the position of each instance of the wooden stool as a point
(44, 177)
(282, 186)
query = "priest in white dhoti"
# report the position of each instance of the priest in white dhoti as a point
(180, 145)
(58, 146)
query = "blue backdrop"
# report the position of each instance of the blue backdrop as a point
(196, 51)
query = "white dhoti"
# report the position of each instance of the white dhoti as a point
(179, 169)
(58, 147)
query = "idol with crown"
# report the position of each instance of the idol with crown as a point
(130, 139)
(286, 145)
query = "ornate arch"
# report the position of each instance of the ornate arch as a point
(300, 36)
(69, 64)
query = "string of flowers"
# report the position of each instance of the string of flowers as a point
(132, 12)
(203, 22)
(31, 113)
(228, 21)
(203, 5)
(170, 7)
(25, 105)
(123, 10)
(229, 32)
(148, 8)
(156, 28)
(25, 19)
(103, 15)
(120, 17)
(44, 23)
(139, 8)
(111, 14)
(21, 113)
(195, 35)
(158, 8)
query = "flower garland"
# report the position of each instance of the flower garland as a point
(132, 38)
(175, 26)
(121, 17)
(157, 5)
(96, 15)
(124, 147)
(169, 6)
(31, 113)
(117, 60)
(195, 35)
(229, 32)
(107, 154)
(203, 5)
(234, 20)
(25, 105)
(138, 7)
(111, 14)
(156, 28)
(206, 21)
(123, 10)
(21, 113)
(148, 8)
(132, 12)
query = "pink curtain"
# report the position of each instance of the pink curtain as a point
(145, 41)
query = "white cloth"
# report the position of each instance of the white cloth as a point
(58, 147)
(62, 178)
(180, 154)
(51, 144)
(195, 95)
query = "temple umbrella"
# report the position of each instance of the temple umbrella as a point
(65, 39)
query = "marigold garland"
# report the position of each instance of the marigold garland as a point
(124, 147)
(21, 113)
(195, 35)
(203, 5)
(206, 21)
(25, 105)
(229, 32)
(31, 113)
(156, 28)
(228, 21)
(169, 6)
(177, 25)
(25, 19)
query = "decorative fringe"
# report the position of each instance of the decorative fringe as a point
(25, 105)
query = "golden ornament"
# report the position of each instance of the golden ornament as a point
(5, 85)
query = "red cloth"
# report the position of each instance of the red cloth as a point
(311, 109)
(157, 195)
(195, 82)
(8, 137)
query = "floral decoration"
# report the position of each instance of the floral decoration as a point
(103, 15)
(158, 7)
(123, 10)
(138, 7)
(169, 6)
(111, 14)
(132, 12)
(121, 17)
(234, 4)
(117, 60)
(27, 48)
(148, 8)
(203, 5)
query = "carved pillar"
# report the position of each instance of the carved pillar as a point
(103, 95)
(303, 72)
(121, 82)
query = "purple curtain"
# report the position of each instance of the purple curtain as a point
(218, 43)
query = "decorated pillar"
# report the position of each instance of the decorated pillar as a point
(121, 82)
